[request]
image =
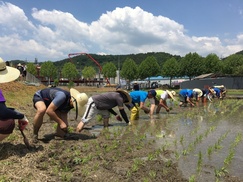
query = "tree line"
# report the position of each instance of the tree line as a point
(141, 66)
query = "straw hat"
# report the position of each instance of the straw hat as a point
(7, 73)
(128, 97)
(171, 94)
(198, 91)
(19, 64)
(80, 99)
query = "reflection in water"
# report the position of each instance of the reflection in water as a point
(201, 137)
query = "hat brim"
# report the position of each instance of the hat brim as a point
(170, 94)
(199, 92)
(129, 99)
(81, 99)
(9, 74)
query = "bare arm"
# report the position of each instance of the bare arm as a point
(51, 111)
(190, 101)
(152, 107)
(143, 107)
(164, 105)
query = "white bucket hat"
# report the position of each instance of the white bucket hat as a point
(79, 100)
(7, 73)
(198, 91)
(171, 94)
(124, 92)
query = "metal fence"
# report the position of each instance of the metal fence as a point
(228, 82)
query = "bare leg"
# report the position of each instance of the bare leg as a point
(38, 118)
(106, 122)
(158, 109)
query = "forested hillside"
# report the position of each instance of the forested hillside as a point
(84, 60)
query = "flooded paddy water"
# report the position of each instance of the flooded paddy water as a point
(206, 139)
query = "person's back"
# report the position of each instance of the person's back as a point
(138, 96)
(159, 93)
(108, 100)
(183, 92)
(218, 92)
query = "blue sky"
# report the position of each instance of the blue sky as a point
(50, 30)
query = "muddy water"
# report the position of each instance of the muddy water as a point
(207, 140)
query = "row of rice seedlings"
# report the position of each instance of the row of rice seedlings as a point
(195, 130)
(209, 130)
(197, 140)
(234, 109)
(209, 152)
(223, 170)
(199, 161)
(217, 144)
(231, 154)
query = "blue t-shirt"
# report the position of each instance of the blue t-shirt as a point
(217, 90)
(186, 93)
(138, 96)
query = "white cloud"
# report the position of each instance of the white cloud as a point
(54, 34)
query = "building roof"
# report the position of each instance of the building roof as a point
(208, 75)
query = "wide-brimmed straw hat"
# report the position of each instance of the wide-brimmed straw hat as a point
(79, 100)
(198, 91)
(7, 73)
(128, 99)
(171, 94)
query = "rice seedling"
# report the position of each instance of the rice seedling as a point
(192, 178)
(181, 140)
(229, 158)
(87, 159)
(199, 162)
(177, 155)
(77, 160)
(146, 179)
(168, 163)
(152, 174)
(210, 150)
(151, 156)
(175, 142)
(185, 152)
(220, 172)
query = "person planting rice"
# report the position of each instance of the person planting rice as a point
(138, 102)
(8, 115)
(102, 104)
(56, 103)
(161, 97)
(186, 96)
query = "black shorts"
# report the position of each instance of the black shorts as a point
(182, 98)
(7, 126)
(36, 98)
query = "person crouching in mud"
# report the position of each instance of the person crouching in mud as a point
(102, 104)
(56, 103)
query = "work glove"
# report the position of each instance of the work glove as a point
(23, 123)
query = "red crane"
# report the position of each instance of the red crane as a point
(89, 56)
